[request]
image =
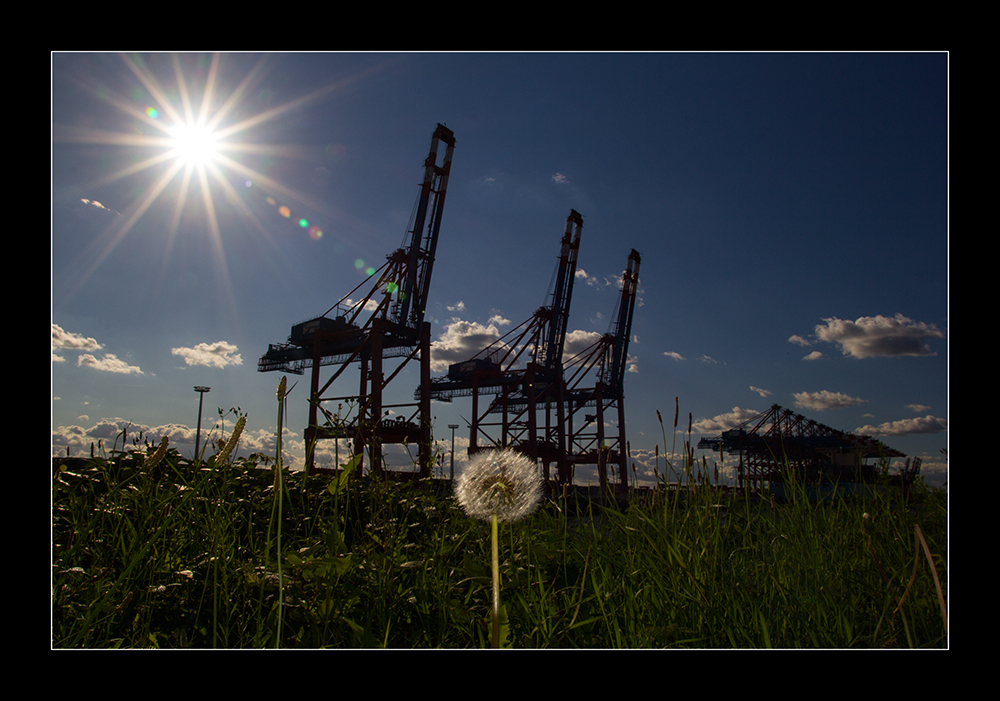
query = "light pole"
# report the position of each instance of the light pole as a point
(201, 397)
(452, 427)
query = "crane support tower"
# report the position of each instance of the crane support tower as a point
(393, 328)
(588, 442)
(523, 371)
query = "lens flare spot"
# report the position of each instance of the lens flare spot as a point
(303, 223)
(315, 233)
(152, 113)
(284, 211)
(359, 264)
(370, 270)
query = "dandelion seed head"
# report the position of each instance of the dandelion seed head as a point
(503, 483)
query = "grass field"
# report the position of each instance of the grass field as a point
(151, 550)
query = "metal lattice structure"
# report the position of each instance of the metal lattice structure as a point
(522, 371)
(385, 321)
(604, 363)
(779, 443)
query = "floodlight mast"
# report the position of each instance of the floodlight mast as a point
(197, 438)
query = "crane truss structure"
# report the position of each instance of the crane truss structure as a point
(606, 361)
(522, 371)
(386, 321)
(779, 442)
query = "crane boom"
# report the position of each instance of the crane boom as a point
(541, 337)
(622, 330)
(423, 242)
(397, 298)
(550, 355)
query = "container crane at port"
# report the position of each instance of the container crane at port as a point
(381, 318)
(523, 369)
(606, 360)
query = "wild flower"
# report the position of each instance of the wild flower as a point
(505, 484)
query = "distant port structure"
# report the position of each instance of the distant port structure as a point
(779, 446)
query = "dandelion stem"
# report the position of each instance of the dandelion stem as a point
(278, 488)
(495, 638)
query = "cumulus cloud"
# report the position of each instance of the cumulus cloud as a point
(460, 341)
(873, 336)
(723, 422)
(72, 341)
(906, 427)
(109, 363)
(818, 401)
(119, 433)
(578, 341)
(218, 354)
(673, 354)
(457, 307)
(815, 355)
(798, 340)
(761, 392)
(499, 320)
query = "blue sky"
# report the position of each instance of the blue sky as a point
(791, 210)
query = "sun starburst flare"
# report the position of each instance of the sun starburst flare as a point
(187, 140)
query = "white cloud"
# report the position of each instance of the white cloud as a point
(873, 336)
(591, 280)
(460, 341)
(798, 340)
(723, 422)
(919, 408)
(459, 307)
(499, 320)
(905, 427)
(673, 354)
(761, 392)
(578, 340)
(819, 401)
(218, 354)
(559, 178)
(632, 364)
(109, 363)
(815, 355)
(72, 341)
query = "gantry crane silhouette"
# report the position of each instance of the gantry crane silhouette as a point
(522, 370)
(606, 360)
(526, 375)
(394, 327)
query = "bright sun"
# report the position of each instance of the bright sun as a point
(192, 140)
(193, 144)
